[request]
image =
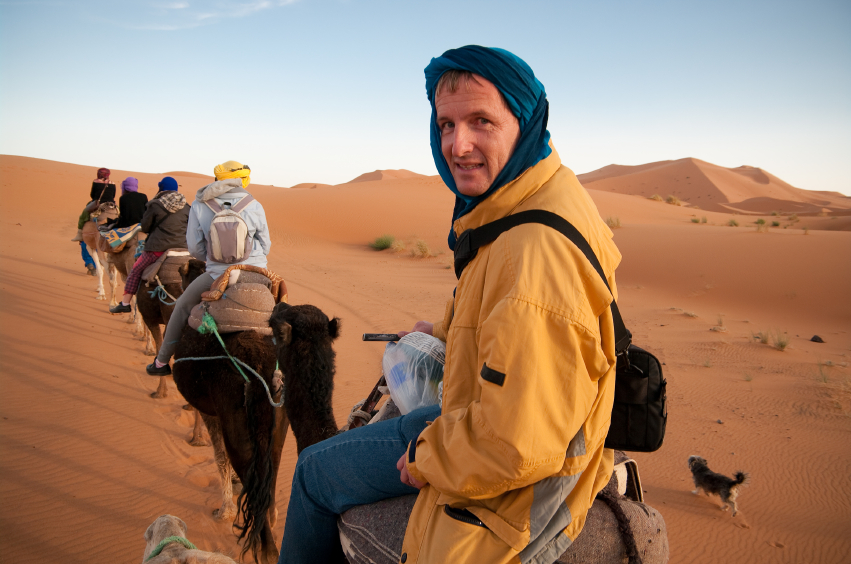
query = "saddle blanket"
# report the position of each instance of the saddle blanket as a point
(116, 237)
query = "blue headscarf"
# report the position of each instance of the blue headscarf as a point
(526, 99)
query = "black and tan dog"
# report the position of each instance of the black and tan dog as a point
(713, 483)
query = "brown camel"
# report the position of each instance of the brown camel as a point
(247, 431)
(155, 312)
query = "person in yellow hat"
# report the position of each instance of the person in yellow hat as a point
(227, 192)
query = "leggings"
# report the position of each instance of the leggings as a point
(190, 297)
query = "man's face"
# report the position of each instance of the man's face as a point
(478, 134)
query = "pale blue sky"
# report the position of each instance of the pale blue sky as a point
(324, 90)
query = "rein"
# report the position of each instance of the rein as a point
(168, 540)
(161, 293)
(208, 325)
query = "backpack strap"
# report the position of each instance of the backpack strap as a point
(213, 205)
(470, 240)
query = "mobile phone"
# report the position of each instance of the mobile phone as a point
(380, 337)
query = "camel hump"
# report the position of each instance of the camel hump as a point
(245, 306)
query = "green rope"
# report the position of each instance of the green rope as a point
(208, 325)
(167, 541)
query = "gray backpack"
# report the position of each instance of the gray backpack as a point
(228, 240)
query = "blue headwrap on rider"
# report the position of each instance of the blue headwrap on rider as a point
(526, 98)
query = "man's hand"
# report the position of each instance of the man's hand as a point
(403, 472)
(419, 326)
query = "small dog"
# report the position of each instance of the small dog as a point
(713, 483)
(166, 526)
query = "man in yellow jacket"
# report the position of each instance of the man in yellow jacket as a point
(509, 465)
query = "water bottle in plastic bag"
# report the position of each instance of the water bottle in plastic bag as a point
(413, 368)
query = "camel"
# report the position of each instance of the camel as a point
(247, 432)
(154, 312)
(114, 263)
(166, 543)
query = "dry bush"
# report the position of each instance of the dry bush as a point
(656, 197)
(613, 222)
(779, 340)
(775, 224)
(689, 314)
(762, 337)
(733, 223)
(421, 249)
(383, 242)
(398, 246)
(673, 200)
(703, 219)
(695, 220)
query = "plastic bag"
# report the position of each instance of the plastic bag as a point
(413, 368)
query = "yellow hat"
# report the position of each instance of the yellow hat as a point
(233, 169)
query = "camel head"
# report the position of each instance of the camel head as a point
(302, 322)
(303, 337)
(191, 270)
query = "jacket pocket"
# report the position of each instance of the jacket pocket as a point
(460, 514)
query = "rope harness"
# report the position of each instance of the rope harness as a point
(167, 541)
(208, 325)
(161, 293)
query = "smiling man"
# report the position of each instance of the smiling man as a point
(508, 466)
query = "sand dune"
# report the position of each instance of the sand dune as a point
(710, 187)
(85, 449)
(385, 175)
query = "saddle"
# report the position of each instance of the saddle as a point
(105, 217)
(241, 299)
(166, 267)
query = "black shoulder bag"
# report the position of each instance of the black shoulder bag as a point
(640, 411)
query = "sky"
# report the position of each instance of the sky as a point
(325, 90)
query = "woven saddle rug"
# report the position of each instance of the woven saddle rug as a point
(166, 268)
(241, 299)
(373, 534)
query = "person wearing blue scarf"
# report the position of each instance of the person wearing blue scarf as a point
(526, 98)
(507, 466)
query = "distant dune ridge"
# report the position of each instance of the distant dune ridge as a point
(710, 187)
(386, 175)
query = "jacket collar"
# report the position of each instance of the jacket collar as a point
(507, 199)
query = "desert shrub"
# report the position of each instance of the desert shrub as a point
(775, 224)
(656, 197)
(707, 364)
(673, 200)
(695, 220)
(689, 314)
(398, 246)
(762, 337)
(733, 223)
(613, 222)
(762, 228)
(806, 230)
(383, 242)
(421, 249)
(779, 340)
(760, 221)
(703, 219)
(774, 213)
(793, 217)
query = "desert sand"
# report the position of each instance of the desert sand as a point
(89, 460)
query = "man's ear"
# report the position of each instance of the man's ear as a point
(334, 328)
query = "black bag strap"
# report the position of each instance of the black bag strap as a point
(470, 240)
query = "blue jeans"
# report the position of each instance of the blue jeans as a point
(353, 468)
(87, 258)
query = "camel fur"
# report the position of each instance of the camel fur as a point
(175, 553)
(154, 313)
(247, 432)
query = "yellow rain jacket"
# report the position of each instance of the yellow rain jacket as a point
(516, 458)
